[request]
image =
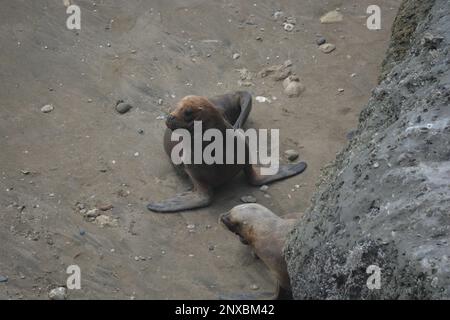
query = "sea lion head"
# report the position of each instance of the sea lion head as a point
(194, 108)
(248, 221)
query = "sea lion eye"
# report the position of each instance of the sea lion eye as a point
(188, 113)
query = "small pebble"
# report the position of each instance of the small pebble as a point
(57, 294)
(254, 287)
(140, 131)
(248, 199)
(262, 99)
(288, 27)
(327, 47)
(47, 108)
(123, 107)
(291, 154)
(332, 17)
(264, 188)
(3, 279)
(93, 213)
(236, 56)
(320, 41)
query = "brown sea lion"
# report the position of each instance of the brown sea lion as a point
(229, 111)
(266, 233)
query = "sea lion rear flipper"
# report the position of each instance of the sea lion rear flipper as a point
(285, 171)
(245, 101)
(183, 201)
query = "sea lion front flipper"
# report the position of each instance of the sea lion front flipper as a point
(245, 101)
(285, 171)
(184, 201)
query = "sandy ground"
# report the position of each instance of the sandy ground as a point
(84, 152)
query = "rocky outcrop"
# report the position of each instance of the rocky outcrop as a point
(385, 201)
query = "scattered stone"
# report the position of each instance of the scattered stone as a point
(376, 165)
(288, 27)
(244, 74)
(245, 83)
(292, 86)
(122, 107)
(268, 196)
(141, 131)
(82, 232)
(236, 56)
(320, 41)
(191, 226)
(25, 172)
(264, 188)
(93, 213)
(291, 154)
(341, 90)
(254, 287)
(248, 199)
(160, 101)
(332, 17)
(57, 294)
(291, 20)
(282, 74)
(3, 279)
(47, 108)
(106, 207)
(327, 47)
(106, 221)
(261, 99)
(278, 15)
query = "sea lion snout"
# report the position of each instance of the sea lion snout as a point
(226, 221)
(171, 121)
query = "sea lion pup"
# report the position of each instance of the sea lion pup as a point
(229, 111)
(266, 233)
